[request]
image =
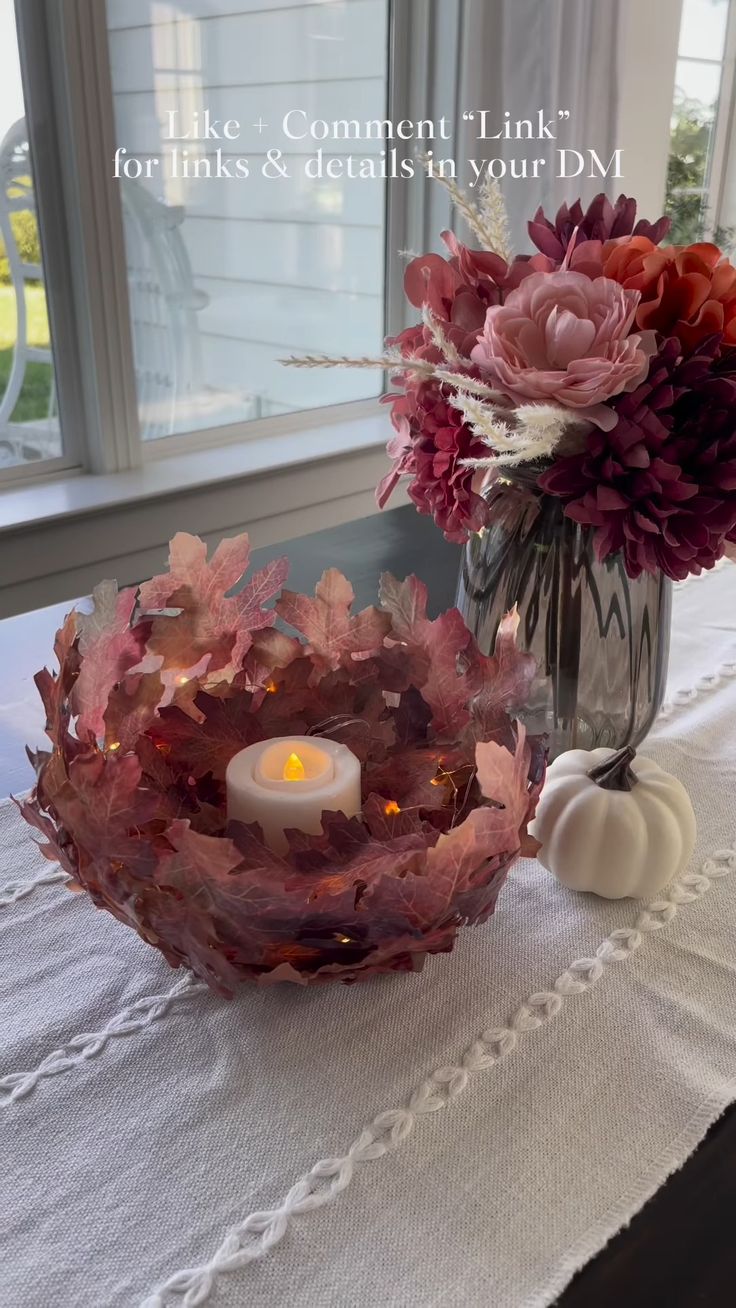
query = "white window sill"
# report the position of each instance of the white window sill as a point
(58, 538)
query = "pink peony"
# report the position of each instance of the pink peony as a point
(563, 338)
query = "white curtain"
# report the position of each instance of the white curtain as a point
(529, 55)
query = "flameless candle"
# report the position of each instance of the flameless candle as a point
(290, 782)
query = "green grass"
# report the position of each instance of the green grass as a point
(33, 402)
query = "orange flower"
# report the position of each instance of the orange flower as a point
(686, 291)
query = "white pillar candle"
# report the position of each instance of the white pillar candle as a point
(290, 782)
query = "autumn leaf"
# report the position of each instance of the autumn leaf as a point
(386, 820)
(109, 647)
(503, 778)
(435, 649)
(228, 726)
(503, 680)
(406, 601)
(131, 708)
(334, 636)
(55, 690)
(105, 807)
(209, 621)
(50, 847)
(198, 855)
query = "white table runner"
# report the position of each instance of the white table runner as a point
(143, 1119)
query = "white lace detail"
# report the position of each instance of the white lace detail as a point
(261, 1231)
(16, 1085)
(16, 890)
(708, 682)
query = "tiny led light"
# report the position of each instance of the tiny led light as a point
(115, 744)
(293, 768)
(182, 681)
(391, 808)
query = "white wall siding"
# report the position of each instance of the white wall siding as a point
(304, 42)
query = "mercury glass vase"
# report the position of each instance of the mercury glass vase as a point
(601, 639)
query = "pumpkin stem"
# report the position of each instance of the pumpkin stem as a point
(615, 773)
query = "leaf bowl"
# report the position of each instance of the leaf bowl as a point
(159, 686)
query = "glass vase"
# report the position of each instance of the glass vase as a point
(601, 639)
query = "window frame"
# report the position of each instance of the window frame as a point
(722, 167)
(112, 508)
(713, 193)
(67, 80)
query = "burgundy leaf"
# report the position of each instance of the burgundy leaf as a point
(228, 726)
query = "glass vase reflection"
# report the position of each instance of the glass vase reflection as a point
(601, 639)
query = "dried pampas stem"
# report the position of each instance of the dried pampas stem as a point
(440, 337)
(495, 217)
(484, 421)
(469, 385)
(534, 433)
(489, 225)
(385, 361)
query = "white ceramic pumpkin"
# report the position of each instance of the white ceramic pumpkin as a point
(614, 823)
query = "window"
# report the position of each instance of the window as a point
(228, 272)
(173, 293)
(701, 122)
(181, 280)
(29, 424)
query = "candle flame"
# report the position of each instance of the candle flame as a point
(293, 768)
(392, 808)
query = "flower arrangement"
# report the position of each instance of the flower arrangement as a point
(159, 686)
(604, 362)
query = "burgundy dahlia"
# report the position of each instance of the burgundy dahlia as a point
(601, 221)
(661, 485)
(431, 443)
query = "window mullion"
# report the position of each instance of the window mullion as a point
(82, 90)
(720, 179)
(422, 84)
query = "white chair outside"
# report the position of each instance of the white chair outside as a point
(164, 304)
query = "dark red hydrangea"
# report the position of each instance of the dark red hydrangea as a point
(431, 442)
(432, 437)
(601, 221)
(661, 486)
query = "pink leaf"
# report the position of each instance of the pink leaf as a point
(335, 637)
(503, 681)
(434, 648)
(204, 856)
(209, 621)
(109, 648)
(52, 849)
(106, 807)
(503, 777)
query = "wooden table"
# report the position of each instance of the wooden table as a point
(679, 1251)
